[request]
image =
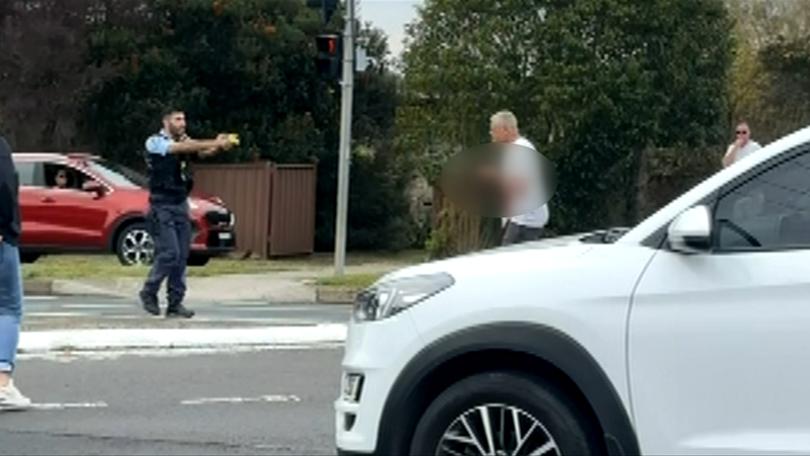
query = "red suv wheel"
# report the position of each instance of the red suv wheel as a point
(135, 245)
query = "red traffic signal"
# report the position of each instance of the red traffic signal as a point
(328, 45)
(328, 60)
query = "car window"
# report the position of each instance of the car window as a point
(26, 172)
(770, 211)
(31, 173)
(60, 176)
(117, 175)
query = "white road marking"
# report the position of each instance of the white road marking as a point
(244, 304)
(41, 298)
(244, 309)
(96, 306)
(78, 405)
(56, 314)
(242, 400)
(277, 321)
(112, 339)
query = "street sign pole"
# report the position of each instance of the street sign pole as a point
(347, 93)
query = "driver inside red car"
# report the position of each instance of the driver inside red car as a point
(61, 179)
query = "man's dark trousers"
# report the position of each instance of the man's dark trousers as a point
(516, 234)
(171, 229)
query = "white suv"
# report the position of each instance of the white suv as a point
(688, 334)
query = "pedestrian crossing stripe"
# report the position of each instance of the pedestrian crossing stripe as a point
(242, 400)
(58, 406)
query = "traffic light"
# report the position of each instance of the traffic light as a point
(327, 8)
(328, 61)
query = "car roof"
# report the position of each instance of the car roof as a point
(54, 156)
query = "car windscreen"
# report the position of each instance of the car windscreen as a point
(118, 175)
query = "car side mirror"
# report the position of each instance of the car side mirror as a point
(94, 187)
(691, 232)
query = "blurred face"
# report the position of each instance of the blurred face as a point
(61, 179)
(175, 124)
(743, 133)
(501, 134)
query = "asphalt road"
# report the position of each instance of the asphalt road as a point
(49, 312)
(266, 402)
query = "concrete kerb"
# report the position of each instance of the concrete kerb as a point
(335, 295)
(38, 287)
(221, 288)
(58, 287)
(200, 289)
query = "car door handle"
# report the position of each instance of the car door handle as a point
(47, 199)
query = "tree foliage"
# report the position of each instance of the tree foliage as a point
(96, 74)
(770, 82)
(593, 82)
(42, 72)
(241, 66)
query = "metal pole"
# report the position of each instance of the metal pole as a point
(345, 140)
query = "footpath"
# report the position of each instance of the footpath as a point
(299, 281)
(300, 306)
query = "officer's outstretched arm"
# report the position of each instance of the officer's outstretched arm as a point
(193, 146)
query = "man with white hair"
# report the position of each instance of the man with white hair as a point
(527, 226)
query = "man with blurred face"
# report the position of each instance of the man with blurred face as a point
(742, 147)
(169, 187)
(526, 226)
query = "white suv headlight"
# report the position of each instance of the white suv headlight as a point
(389, 297)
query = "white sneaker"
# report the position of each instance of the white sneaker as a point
(12, 399)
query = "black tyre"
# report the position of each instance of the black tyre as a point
(198, 260)
(135, 245)
(28, 257)
(504, 413)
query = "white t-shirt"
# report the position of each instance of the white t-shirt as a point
(537, 218)
(749, 148)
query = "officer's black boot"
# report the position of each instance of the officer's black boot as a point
(150, 303)
(178, 311)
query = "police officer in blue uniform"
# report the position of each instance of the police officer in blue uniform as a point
(169, 187)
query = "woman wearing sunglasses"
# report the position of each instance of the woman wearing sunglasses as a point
(742, 147)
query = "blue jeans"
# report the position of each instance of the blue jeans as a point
(11, 300)
(170, 227)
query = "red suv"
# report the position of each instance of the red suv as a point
(82, 203)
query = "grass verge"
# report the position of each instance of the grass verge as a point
(108, 267)
(349, 281)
